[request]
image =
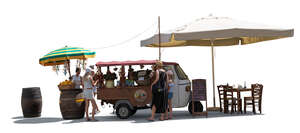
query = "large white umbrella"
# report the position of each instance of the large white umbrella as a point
(216, 31)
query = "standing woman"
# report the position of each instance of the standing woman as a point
(159, 91)
(170, 93)
(88, 93)
(95, 78)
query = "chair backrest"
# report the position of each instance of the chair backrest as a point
(229, 91)
(256, 91)
(221, 91)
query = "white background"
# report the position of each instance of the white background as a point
(30, 29)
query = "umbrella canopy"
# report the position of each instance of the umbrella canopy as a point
(217, 31)
(60, 56)
(224, 31)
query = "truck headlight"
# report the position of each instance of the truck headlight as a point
(188, 88)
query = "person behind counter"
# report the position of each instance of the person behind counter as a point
(109, 78)
(159, 91)
(77, 79)
(88, 93)
(130, 80)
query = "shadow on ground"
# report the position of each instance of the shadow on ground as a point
(140, 117)
(36, 120)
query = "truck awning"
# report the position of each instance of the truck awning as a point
(138, 62)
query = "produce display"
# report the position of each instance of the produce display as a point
(67, 84)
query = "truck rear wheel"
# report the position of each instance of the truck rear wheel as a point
(123, 111)
(198, 107)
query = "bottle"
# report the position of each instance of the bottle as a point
(245, 84)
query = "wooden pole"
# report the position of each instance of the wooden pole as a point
(213, 70)
(122, 78)
(159, 39)
(69, 67)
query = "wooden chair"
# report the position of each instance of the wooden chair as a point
(255, 98)
(221, 96)
(226, 98)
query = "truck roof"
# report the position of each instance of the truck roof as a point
(138, 62)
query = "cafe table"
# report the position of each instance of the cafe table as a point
(238, 91)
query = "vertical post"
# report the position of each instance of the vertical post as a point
(159, 47)
(206, 108)
(213, 70)
(122, 78)
(69, 69)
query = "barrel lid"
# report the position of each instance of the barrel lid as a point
(31, 88)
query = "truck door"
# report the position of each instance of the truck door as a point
(181, 82)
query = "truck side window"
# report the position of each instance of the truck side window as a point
(180, 73)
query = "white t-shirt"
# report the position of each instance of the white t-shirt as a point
(87, 83)
(77, 81)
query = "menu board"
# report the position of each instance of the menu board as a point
(199, 90)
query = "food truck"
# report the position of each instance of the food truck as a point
(131, 91)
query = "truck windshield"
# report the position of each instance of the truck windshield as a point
(180, 73)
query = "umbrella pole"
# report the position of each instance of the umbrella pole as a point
(159, 53)
(214, 108)
(69, 68)
(213, 71)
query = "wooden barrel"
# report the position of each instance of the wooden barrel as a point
(31, 102)
(71, 103)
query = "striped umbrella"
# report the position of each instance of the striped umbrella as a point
(63, 55)
(60, 56)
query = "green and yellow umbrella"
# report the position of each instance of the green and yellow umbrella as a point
(60, 56)
(63, 55)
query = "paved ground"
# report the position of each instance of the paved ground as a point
(139, 117)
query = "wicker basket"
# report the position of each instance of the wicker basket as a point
(66, 87)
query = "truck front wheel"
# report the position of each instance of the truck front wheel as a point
(198, 107)
(123, 111)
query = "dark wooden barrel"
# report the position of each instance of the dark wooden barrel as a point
(72, 105)
(31, 102)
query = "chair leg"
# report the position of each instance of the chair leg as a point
(226, 106)
(240, 106)
(235, 107)
(245, 106)
(253, 107)
(221, 109)
(259, 107)
(232, 108)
